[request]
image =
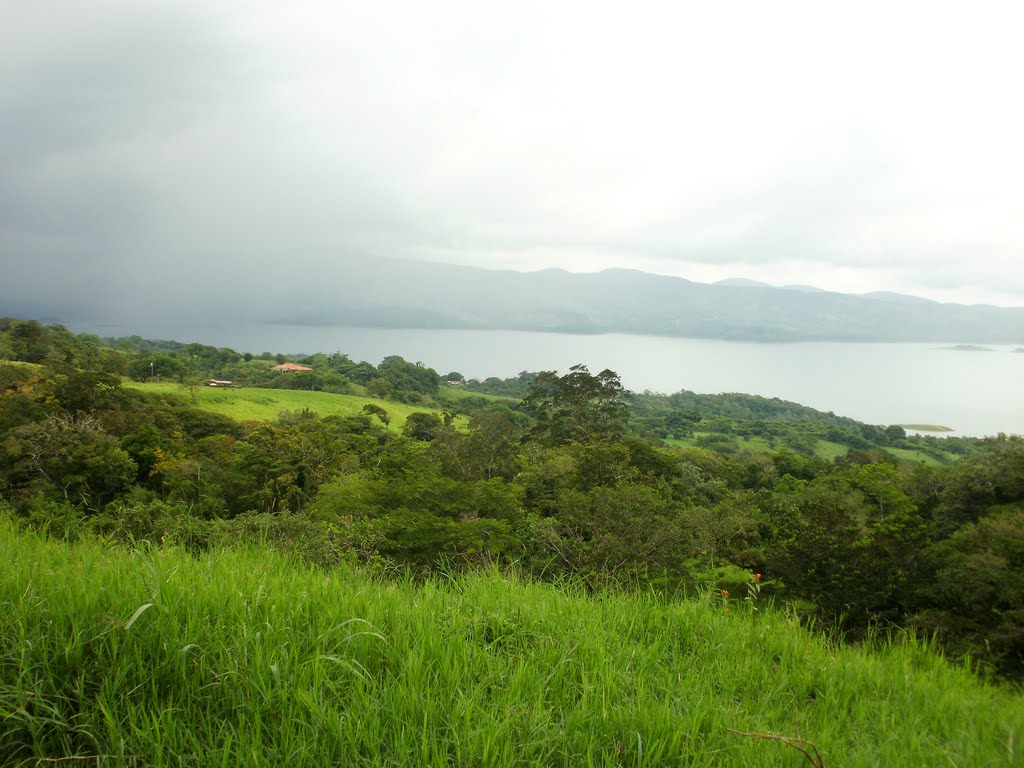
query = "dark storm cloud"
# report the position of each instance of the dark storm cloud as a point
(140, 153)
(107, 72)
(91, 96)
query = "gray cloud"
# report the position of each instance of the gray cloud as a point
(215, 149)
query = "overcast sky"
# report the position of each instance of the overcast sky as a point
(858, 146)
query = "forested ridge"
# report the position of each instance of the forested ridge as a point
(404, 293)
(569, 477)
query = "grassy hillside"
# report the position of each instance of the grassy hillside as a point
(823, 449)
(454, 394)
(245, 658)
(257, 404)
(264, 404)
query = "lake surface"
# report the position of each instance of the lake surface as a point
(977, 393)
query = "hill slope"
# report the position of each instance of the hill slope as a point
(406, 294)
(262, 404)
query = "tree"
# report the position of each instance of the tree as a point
(980, 482)
(408, 377)
(83, 390)
(29, 341)
(851, 541)
(421, 426)
(978, 593)
(577, 406)
(895, 433)
(380, 413)
(488, 449)
(378, 387)
(283, 466)
(162, 366)
(65, 457)
(629, 533)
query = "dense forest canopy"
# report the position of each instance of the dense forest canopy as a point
(566, 476)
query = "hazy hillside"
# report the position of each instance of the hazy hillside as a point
(407, 294)
(627, 301)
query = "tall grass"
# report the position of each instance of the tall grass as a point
(244, 657)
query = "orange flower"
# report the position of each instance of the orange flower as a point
(725, 593)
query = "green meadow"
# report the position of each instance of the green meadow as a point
(753, 444)
(823, 449)
(454, 394)
(920, 457)
(829, 451)
(261, 404)
(152, 657)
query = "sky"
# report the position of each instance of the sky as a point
(187, 145)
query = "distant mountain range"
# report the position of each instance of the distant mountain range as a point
(423, 295)
(410, 294)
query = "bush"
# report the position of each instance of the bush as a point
(59, 519)
(320, 543)
(156, 521)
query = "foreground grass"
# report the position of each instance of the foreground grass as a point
(245, 658)
(258, 404)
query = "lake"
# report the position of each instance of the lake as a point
(975, 392)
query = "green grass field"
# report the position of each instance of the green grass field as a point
(830, 451)
(20, 364)
(907, 454)
(826, 449)
(257, 404)
(823, 448)
(756, 444)
(685, 442)
(114, 658)
(452, 394)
